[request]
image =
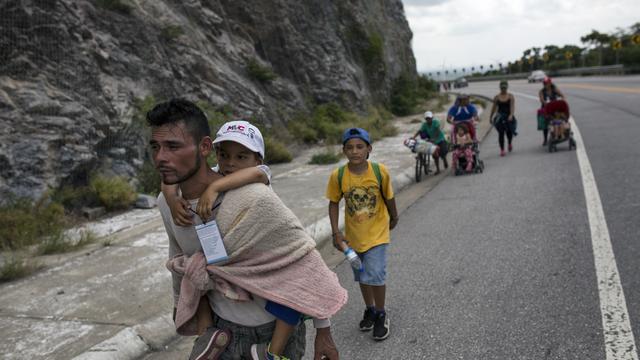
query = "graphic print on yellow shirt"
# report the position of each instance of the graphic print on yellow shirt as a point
(366, 216)
(361, 202)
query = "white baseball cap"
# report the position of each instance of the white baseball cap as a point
(428, 114)
(243, 133)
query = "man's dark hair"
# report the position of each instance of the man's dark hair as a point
(176, 110)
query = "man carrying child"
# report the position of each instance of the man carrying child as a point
(269, 257)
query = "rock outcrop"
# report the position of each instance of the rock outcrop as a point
(71, 71)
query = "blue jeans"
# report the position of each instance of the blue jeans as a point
(374, 261)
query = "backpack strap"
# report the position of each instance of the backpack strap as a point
(340, 176)
(376, 171)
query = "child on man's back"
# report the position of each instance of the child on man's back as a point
(240, 152)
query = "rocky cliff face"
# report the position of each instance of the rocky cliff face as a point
(71, 71)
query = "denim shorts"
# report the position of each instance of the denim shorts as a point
(242, 337)
(374, 261)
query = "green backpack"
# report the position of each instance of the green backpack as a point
(376, 171)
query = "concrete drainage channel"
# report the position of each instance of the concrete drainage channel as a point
(135, 341)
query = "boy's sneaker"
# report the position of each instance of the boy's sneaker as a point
(368, 319)
(210, 345)
(261, 352)
(381, 327)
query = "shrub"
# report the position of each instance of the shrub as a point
(259, 72)
(148, 179)
(141, 107)
(275, 151)
(407, 92)
(302, 131)
(14, 268)
(113, 192)
(74, 198)
(327, 157)
(378, 124)
(327, 122)
(373, 54)
(23, 223)
(171, 32)
(121, 6)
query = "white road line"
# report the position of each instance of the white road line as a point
(618, 337)
(525, 95)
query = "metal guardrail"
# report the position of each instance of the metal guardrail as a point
(592, 70)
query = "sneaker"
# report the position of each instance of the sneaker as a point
(367, 321)
(510, 148)
(261, 352)
(381, 327)
(210, 345)
(502, 153)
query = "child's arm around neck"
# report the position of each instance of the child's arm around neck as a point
(231, 181)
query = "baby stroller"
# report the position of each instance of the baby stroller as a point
(557, 115)
(459, 151)
(423, 150)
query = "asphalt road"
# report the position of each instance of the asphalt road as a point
(501, 265)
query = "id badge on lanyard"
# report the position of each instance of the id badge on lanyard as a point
(211, 241)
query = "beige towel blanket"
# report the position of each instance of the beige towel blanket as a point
(270, 255)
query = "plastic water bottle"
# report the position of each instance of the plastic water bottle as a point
(354, 259)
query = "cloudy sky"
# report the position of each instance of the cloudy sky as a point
(464, 33)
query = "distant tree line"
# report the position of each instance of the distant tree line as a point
(619, 47)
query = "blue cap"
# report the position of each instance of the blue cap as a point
(359, 133)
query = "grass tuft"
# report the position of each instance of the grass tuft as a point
(324, 158)
(59, 243)
(15, 268)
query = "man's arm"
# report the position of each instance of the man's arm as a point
(174, 248)
(177, 205)
(324, 346)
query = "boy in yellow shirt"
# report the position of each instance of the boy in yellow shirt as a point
(370, 212)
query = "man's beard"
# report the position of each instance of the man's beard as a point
(188, 175)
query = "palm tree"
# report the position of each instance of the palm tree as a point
(598, 40)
